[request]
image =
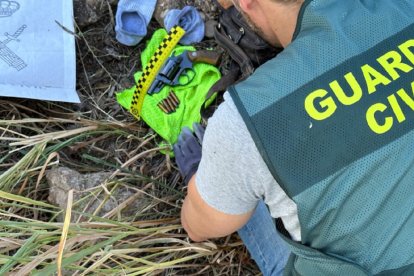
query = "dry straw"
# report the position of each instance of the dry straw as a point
(97, 136)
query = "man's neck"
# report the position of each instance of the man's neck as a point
(282, 20)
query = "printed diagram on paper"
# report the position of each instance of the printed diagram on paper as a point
(7, 8)
(37, 56)
(7, 55)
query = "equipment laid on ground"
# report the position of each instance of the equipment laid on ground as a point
(181, 66)
(170, 104)
(154, 65)
(167, 112)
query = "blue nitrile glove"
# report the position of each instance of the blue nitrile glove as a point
(187, 151)
(190, 20)
(132, 19)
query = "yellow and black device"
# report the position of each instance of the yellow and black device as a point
(153, 67)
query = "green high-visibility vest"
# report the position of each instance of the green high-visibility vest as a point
(333, 117)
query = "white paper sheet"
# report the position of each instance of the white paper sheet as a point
(37, 57)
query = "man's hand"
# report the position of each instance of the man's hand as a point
(187, 151)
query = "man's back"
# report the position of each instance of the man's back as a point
(332, 119)
(333, 116)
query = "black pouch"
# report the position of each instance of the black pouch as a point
(245, 47)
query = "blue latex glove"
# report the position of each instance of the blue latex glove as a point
(190, 20)
(187, 151)
(132, 19)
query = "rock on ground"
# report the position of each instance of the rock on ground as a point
(90, 11)
(61, 180)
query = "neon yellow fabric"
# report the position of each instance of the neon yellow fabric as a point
(191, 96)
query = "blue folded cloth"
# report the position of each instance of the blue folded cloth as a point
(190, 20)
(132, 19)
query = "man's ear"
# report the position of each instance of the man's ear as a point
(246, 5)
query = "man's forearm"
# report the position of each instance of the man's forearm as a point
(201, 221)
(187, 227)
(189, 213)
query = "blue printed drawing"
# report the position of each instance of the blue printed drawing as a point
(8, 55)
(7, 8)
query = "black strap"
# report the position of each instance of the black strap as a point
(229, 40)
(246, 49)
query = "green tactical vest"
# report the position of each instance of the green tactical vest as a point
(333, 117)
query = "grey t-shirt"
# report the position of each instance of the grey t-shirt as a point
(233, 177)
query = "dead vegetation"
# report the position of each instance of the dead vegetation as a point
(92, 137)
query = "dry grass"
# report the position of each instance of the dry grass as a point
(97, 136)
